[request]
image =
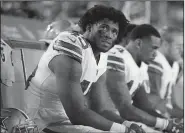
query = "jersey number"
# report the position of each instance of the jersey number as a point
(84, 45)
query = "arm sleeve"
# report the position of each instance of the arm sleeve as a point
(155, 72)
(115, 63)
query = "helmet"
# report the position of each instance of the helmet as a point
(56, 27)
(16, 121)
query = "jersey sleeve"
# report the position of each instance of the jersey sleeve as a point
(115, 61)
(155, 67)
(69, 44)
(155, 72)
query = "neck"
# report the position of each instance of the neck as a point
(134, 54)
(96, 53)
(93, 46)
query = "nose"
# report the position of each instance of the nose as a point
(109, 34)
(154, 54)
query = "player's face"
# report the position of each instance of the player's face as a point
(103, 34)
(174, 51)
(149, 47)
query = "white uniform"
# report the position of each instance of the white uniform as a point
(168, 74)
(121, 60)
(7, 68)
(42, 100)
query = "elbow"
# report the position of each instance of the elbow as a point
(129, 112)
(126, 111)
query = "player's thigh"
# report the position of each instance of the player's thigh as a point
(75, 128)
(148, 129)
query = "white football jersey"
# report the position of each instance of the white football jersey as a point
(43, 101)
(121, 60)
(7, 68)
(168, 73)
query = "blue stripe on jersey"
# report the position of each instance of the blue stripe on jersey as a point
(114, 58)
(115, 63)
(155, 67)
(116, 67)
(156, 64)
(68, 49)
(154, 70)
(73, 56)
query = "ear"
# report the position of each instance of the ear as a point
(88, 28)
(138, 43)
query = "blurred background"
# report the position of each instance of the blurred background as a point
(32, 17)
(156, 12)
(27, 20)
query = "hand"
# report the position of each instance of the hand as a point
(175, 126)
(137, 128)
(134, 128)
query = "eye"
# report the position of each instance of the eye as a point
(115, 31)
(104, 27)
(155, 47)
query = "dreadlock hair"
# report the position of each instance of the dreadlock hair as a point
(100, 12)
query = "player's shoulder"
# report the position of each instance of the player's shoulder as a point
(71, 44)
(73, 37)
(115, 59)
(156, 66)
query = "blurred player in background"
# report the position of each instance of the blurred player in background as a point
(165, 71)
(7, 73)
(66, 71)
(127, 79)
(55, 28)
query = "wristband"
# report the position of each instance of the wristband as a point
(127, 123)
(118, 127)
(161, 123)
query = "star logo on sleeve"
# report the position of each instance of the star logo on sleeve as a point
(73, 40)
(2, 122)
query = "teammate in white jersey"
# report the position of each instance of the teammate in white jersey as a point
(164, 72)
(66, 71)
(128, 74)
(7, 77)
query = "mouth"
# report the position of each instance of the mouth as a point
(152, 58)
(106, 43)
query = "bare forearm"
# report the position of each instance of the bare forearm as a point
(153, 105)
(134, 114)
(88, 117)
(110, 115)
(176, 113)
